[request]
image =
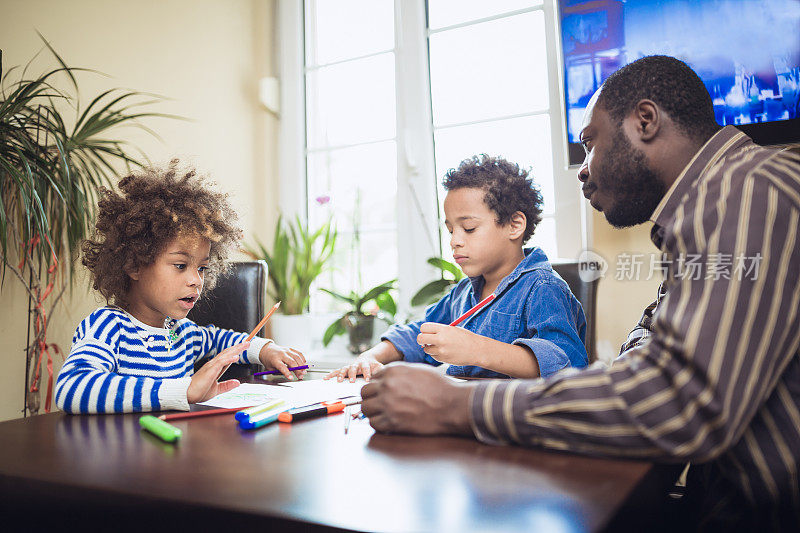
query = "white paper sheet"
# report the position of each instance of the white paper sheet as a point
(249, 394)
(326, 389)
(295, 393)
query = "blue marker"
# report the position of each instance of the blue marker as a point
(250, 412)
(260, 420)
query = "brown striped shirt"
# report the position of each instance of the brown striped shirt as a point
(718, 381)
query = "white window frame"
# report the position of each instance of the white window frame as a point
(417, 205)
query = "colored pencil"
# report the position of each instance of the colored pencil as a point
(292, 368)
(263, 321)
(472, 311)
(196, 414)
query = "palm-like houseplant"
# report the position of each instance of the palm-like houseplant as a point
(297, 258)
(51, 167)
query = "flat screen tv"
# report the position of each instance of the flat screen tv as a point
(747, 53)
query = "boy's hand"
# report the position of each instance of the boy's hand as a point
(448, 344)
(281, 358)
(204, 384)
(365, 364)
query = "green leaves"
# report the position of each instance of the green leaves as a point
(380, 294)
(298, 256)
(432, 292)
(435, 290)
(50, 173)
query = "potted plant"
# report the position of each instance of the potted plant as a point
(357, 322)
(298, 256)
(49, 178)
(437, 289)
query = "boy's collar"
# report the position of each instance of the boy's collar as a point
(535, 259)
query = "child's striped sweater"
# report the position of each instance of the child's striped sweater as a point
(118, 364)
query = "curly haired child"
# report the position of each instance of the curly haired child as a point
(157, 243)
(534, 326)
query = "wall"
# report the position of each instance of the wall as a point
(206, 56)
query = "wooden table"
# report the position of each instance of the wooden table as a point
(94, 470)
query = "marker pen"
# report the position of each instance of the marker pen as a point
(163, 430)
(260, 420)
(246, 414)
(310, 411)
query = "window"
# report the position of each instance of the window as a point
(393, 93)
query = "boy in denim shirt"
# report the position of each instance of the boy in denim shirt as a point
(534, 326)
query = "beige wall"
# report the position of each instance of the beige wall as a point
(207, 57)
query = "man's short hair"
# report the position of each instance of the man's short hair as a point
(668, 82)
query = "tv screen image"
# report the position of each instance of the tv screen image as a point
(747, 52)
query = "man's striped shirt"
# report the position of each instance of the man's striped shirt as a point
(118, 364)
(718, 381)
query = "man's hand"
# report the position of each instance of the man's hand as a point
(412, 398)
(448, 344)
(204, 384)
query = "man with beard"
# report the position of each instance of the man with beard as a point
(717, 381)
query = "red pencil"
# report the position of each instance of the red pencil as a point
(472, 311)
(207, 412)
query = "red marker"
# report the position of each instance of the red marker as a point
(472, 311)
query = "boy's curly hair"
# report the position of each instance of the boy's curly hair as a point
(153, 207)
(507, 188)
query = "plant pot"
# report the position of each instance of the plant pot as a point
(360, 330)
(293, 331)
(304, 332)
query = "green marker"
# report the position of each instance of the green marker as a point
(159, 428)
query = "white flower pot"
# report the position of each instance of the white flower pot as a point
(305, 332)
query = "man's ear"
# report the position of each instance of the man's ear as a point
(517, 225)
(647, 120)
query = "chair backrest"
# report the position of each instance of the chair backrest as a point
(586, 293)
(238, 303)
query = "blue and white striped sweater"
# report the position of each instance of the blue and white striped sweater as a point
(118, 364)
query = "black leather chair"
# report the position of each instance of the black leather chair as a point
(586, 293)
(238, 302)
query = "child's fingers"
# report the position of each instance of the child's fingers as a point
(283, 368)
(298, 356)
(366, 370)
(431, 327)
(343, 373)
(425, 339)
(294, 359)
(430, 349)
(352, 372)
(224, 363)
(229, 384)
(236, 349)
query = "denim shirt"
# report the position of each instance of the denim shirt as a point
(533, 307)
